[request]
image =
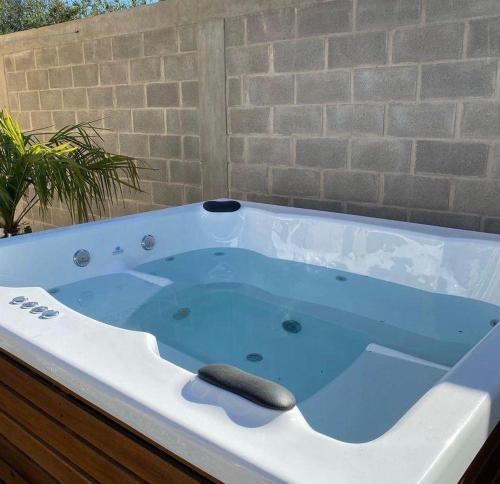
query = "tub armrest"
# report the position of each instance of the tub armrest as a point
(256, 389)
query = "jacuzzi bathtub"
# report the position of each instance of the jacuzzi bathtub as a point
(384, 331)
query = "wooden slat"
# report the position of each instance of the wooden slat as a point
(9, 475)
(27, 468)
(133, 452)
(485, 468)
(93, 462)
(45, 457)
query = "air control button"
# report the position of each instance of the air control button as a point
(39, 310)
(29, 305)
(19, 300)
(50, 314)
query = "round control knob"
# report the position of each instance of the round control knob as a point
(39, 309)
(50, 314)
(19, 300)
(29, 305)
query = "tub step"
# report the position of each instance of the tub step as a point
(370, 396)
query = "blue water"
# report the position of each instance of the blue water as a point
(229, 305)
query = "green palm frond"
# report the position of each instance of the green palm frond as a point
(71, 166)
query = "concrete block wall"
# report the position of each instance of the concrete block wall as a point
(386, 108)
(142, 88)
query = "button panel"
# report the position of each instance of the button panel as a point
(43, 312)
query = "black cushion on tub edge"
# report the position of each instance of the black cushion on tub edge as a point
(221, 205)
(254, 388)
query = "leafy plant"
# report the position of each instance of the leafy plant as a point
(70, 166)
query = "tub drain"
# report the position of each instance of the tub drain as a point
(341, 278)
(291, 326)
(254, 357)
(494, 322)
(53, 290)
(218, 253)
(182, 313)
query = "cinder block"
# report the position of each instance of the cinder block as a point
(190, 96)
(135, 145)
(9, 64)
(295, 182)
(273, 151)
(431, 43)
(481, 120)
(249, 178)
(181, 67)
(484, 38)
(357, 119)
(90, 116)
(325, 18)
(387, 13)
(324, 205)
(165, 146)
(98, 50)
(188, 38)
(127, 46)
(112, 73)
(237, 149)
(130, 96)
(323, 87)
(323, 153)
(148, 120)
(185, 172)
(270, 199)
(60, 77)
(146, 69)
(37, 80)
(385, 84)
(51, 100)
(381, 155)
(161, 41)
(70, 54)
(377, 211)
(234, 92)
(100, 97)
(299, 55)
(492, 225)
(158, 171)
(234, 31)
(13, 101)
(29, 101)
(298, 119)
(119, 120)
(168, 194)
(16, 81)
(46, 57)
(264, 90)
(445, 219)
(75, 98)
(424, 120)
(459, 9)
(249, 120)
(24, 60)
(247, 60)
(191, 147)
(462, 159)
(192, 194)
(41, 120)
(461, 79)
(63, 118)
(182, 121)
(357, 49)
(162, 94)
(86, 75)
(481, 196)
(265, 27)
(352, 186)
(416, 191)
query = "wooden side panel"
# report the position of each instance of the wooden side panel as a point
(48, 434)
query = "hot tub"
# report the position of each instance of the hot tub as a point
(384, 332)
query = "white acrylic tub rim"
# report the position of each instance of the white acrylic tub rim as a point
(231, 438)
